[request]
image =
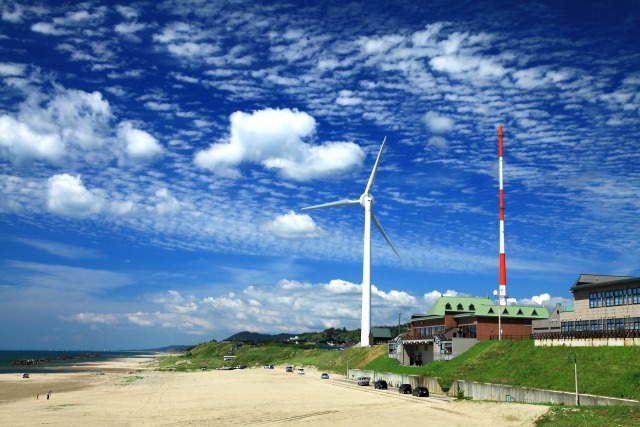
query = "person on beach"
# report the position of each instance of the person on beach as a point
(38, 396)
(48, 394)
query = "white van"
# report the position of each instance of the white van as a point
(300, 371)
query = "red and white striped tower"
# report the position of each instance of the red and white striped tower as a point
(502, 296)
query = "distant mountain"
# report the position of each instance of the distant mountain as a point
(246, 336)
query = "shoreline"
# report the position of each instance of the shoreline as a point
(130, 391)
(77, 376)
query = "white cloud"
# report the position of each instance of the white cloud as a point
(70, 123)
(12, 13)
(119, 207)
(64, 279)
(347, 97)
(274, 139)
(377, 45)
(67, 196)
(438, 141)
(288, 306)
(437, 123)
(166, 204)
(140, 146)
(545, 300)
(128, 28)
(293, 226)
(20, 143)
(95, 318)
(60, 249)
(48, 29)
(11, 69)
(127, 12)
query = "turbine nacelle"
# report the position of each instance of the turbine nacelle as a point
(365, 199)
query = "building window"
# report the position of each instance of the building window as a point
(618, 297)
(468, 331)
(635, 295)
(432, 330)
(636, 323)
(608, 295)
(619, 324)
(595, 325)
(610, 324)
(578, 326)
(585, 325)
(593, 299)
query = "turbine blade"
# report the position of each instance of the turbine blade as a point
(375, 221)
(372, 178)
(345, 202)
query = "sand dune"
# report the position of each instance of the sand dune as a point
(128, 392)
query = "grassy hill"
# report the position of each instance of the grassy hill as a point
(606, 371)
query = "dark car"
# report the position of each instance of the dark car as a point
(405, 389)
(420, 392)
(381, 384)
(289, 368)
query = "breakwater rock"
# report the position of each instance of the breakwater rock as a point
(47, 360)
(30, 361)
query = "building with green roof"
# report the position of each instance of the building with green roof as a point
(454, 324)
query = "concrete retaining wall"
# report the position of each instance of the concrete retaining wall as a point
(588, 342)
(394, 380)
(485, 391)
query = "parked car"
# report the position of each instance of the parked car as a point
(420, 392)
(381, 384)
(240, 367)
(25, 375)
(324, 376)
(289, 368)
(363, 380)
(405, 389)
(300, 371)
(268, 366)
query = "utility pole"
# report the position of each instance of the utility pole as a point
(399, 314)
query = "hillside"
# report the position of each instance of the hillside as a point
(606, 371)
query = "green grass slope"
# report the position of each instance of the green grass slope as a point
(605, 371)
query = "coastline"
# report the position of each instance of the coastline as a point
(129, 391)
(78, 375)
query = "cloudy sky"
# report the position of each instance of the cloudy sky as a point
(155, 157)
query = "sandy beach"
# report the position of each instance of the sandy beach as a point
(129, 392)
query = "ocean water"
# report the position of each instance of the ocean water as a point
(56, 365)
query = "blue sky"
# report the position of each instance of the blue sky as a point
(155, 157)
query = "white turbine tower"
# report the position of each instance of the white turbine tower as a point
(366, 201)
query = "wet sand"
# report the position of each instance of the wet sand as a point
(128, 392)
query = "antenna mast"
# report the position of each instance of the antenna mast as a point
(502, 297)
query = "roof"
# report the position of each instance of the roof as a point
(451, 304)
(461, 307)
(381, 332)
(590, 281)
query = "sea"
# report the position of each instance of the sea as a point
(59, 360)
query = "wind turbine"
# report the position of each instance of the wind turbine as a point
(366, 201)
